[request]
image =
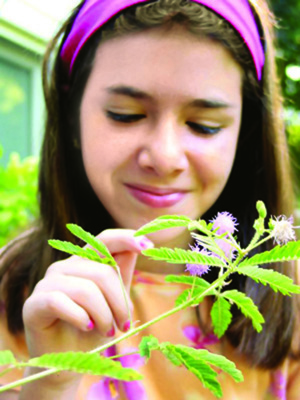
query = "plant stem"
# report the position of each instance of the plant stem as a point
(125, 295)
(28, 379)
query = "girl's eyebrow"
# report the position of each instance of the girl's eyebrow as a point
(141, 95)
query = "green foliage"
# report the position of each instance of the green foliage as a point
(88, 238)
(163, 222)
(188, 280)
(84, 252)
(75, 250)
(220, 316)
(287, 252)
(199, 362)
(277, 281)
(180, 256)
(18, 196)
(7, 358)
(203, 364)
(247, 307)
(85, 363)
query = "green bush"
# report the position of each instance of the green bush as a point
(292, 118)
(18, 195)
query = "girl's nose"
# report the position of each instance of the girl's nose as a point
(163, 151)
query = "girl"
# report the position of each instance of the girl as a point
(153, 107)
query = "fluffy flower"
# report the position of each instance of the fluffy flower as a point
(198, 269)
(225, 222)
(283, 229)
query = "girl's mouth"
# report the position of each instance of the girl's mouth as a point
(156, 197)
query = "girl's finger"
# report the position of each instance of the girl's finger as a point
(120, 240)
(87, 295)
(44, 309)
(104, 276)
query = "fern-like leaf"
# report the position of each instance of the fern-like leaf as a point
(75, 250)
(91, 240)
(85, 363)
(247, 307)
(163, 222)
(277, 281)
(216, 360)
(183, 297)
(180, 256)
(196, 294)
(7, 358)
(288, 252)
(197, 362)
(221, 316)
(187, 280)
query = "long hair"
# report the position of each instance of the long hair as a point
(261, 170)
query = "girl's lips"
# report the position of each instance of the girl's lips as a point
(156, 197)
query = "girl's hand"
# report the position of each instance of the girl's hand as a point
(79, 303)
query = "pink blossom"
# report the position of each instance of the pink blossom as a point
(194, 333)
(109, 388)
(198, 269)
(224, 222)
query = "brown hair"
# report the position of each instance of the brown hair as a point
(261, 169)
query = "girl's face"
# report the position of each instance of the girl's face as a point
(160, 119)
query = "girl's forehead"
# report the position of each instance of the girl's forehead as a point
(158, 64)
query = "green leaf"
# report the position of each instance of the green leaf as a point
(75, 250)
(192, 361)
(218, 361)
(91, 240)
(277, 281)
(247, 307)
(221, 316)
(183, 297)
(7, 358)
(201, 226)
(85, 363)
(197, 296)
(188, 280)
(288, 252)
(180, 256)
(163, 222)
(147, 344)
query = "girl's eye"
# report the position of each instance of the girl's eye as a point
(204, 129)
(127, 118)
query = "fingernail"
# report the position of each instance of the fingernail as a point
(126, 326)
(91, 325)
(111, 333)
(146, 244)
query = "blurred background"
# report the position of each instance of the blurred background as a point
(25, 28)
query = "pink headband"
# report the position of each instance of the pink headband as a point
(95, 13)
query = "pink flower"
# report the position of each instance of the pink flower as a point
(194, 333)
(198, 269)
(109, 389)
(278, 385)
(224, 222)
